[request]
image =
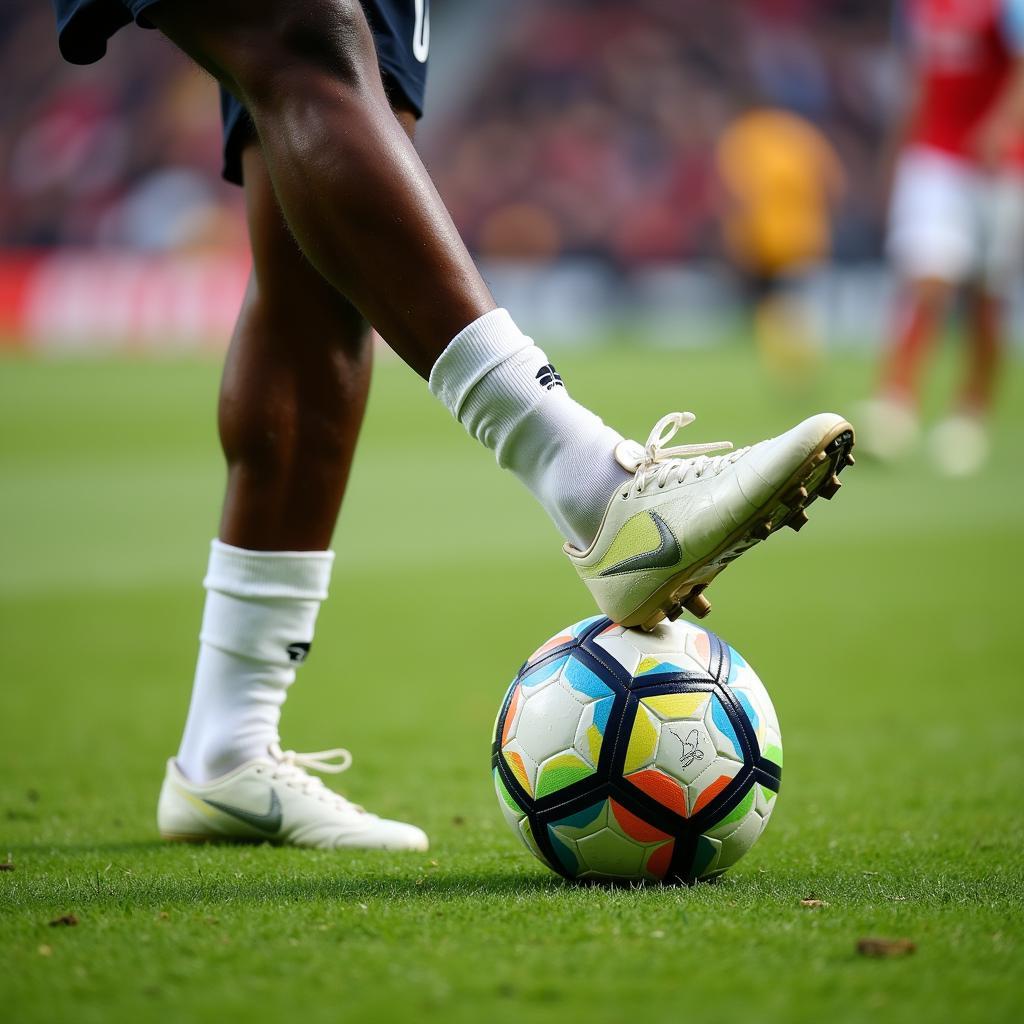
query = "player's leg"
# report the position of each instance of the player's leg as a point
(293, 393)
(351, 185)
(960, 444)
(933, 247)
(985, 343)
(292, 400)
(291, 404)
(923, 305)
(366, 214)
(1001, 200)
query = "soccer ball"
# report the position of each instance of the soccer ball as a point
(624, 756)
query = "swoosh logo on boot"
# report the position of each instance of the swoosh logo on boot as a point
(664, 556)
(269, 822)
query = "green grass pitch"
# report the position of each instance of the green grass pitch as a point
(889, 634)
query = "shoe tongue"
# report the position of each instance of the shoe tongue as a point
(629, 455)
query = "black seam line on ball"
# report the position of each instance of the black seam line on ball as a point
(654, 679)
(555, 652)
(538, 828)
(579, 795)
(619, 693)
(629, 681)
(676, 684)
(733, 794)
(614, 677)
(612, 783)
(769, 767)
(602, 623)
(512, 785)
(506, 702)
(547, 847)
(540, 821)
(497, 760)
(601, 793)
(529, 667)
(553, 813)
(717, 656)
(769, 775)
(684, 853)
(563, 649)
(651, 810)
(617, 772)
(734, 791)
(597, 655)
(736, 714)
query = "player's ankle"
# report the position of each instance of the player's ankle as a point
(258, 623)
(505, 391)
(203, 762)
(565, 455)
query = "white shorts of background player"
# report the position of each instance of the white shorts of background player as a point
(949, 220)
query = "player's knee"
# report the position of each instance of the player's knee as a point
(309, 50)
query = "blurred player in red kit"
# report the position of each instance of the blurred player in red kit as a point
(956, 218)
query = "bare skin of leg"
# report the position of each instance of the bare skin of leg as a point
(353, 190)
(985, 344)
(294, 388)
(925, 304)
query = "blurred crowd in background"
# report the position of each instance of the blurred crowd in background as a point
(125, 152)
(588, 128)
(594, 128)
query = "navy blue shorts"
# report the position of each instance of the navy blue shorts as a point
(401, 32)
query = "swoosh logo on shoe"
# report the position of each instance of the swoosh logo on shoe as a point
(664, 556)
(269, 822)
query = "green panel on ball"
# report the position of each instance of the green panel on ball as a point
(505, 794)
(739, 810)
(561, 771)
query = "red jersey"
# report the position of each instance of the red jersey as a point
(965, 51)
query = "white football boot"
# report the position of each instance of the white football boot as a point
(687, 514)
(274, 799)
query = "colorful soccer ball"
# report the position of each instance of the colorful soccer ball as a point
(626, 756)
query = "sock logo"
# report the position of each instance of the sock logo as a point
(548, 377)
(298, 652)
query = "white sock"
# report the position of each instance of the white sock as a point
(502, 389)
(261, 607)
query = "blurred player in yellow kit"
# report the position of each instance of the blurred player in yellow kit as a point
(781, 177)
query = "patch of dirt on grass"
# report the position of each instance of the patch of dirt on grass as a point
(885, 948)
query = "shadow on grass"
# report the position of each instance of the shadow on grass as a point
(160, 874)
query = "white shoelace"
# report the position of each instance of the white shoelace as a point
(293, 769)
(680, 463)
